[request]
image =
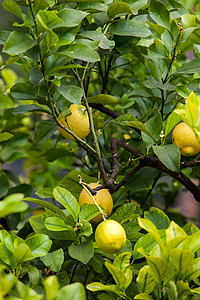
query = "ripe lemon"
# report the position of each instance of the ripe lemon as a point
(78, 122)
(184, 137)
(102, 197)
(110, 236)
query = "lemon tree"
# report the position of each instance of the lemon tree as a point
(77, 121)
(116, 77)
(110, 236)
(184, 137)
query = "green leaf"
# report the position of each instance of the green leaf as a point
(50, 207)
(70, 17)
(104, 99)
(47, 20)
(193, 109)
(193, 271)
(172, 121)
(174, 231)
(44, 130)
(169, 155)
(118, 9)
(57, 224)
(145, 281)
(122, 260)
(192, 243)
(97, 286)
(39, 244)
(82, 252)
(4, 34)
(82, 52)
(143, 296)
(151, 228)
(157, 217)
(124, 213)
(21, 254)
(118, 276)
(88, 211)
(37, 223)
(159, 13)
(173, 293)
(56, 153)
(158, 50)
(71, 92)
(34, 276)
(13, 8)
(190, 67)
(64, 197)
(72, 292)
(25, 91)
(5, 102)
(158, 267)
(130, 28)
(51, 286)
(104, 42)
(12, 204)
(17, 43)
(21, 109)
(54, 260)
(71, 182)
(5, 136)
(181, 259)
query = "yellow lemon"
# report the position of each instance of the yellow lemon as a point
(78, 122)
(102, 197)
(184, 137)
(110, 236)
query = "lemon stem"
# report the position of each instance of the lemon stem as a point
(87, 188)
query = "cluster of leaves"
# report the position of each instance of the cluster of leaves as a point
(127, 62)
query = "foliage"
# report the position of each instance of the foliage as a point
(129, 64)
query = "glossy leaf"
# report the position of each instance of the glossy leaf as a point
(44, 130)
(5, 102)
(193, 271)
(21, 254)
(118, 275)
(190, 67)
(130, 28)
(159, 13)
(70, 17)
(72, 292)
(39, 244)
(71, 92)
(122, 260)
(143, 296)
(54, 260)
(82, 52)
(13, 8)
(56, 224)
(88, 211)
(172, 121)
(64, 197)
(51, 286)
(82, 252)
(181, 259)
(145, 281)
(5, 136)
(124, 213)
(12, 204)
(97, 286)
(17, 43)
(37, 223)
(118, 8)
(169, 155)
(158, 267)
(158, 217)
